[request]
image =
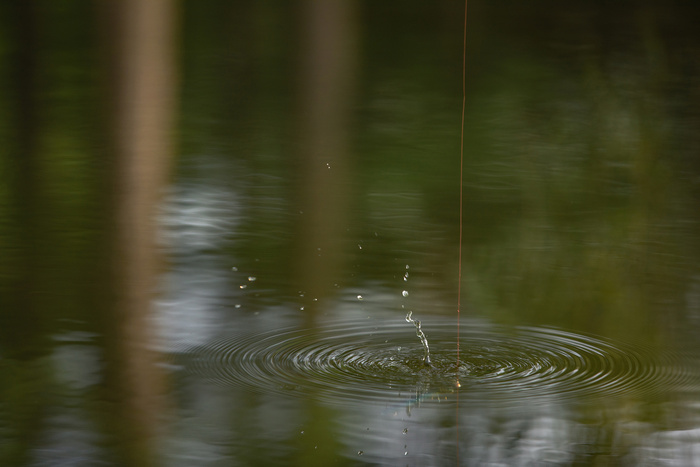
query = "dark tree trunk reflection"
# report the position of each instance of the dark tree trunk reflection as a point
(328, 62)
(23, 306)
(21, 316)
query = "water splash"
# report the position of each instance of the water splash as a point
(421, 335)
(341, 363)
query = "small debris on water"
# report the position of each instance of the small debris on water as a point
(404, 293)
(359, 297)
(252, 278)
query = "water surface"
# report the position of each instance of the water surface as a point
(312, 203)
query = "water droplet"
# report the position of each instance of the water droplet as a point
(328, 165)
(359, 297)
(359, 246)
(252, 278)
(301, 308)
(404, 293)
(302, 432)
(243, 286)
(359, 453)
(405, 453)
(407, 266)
(238, 305)
(234, 269)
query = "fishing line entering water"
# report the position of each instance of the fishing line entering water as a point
(461, 180)
(421, 335)
(461, 214)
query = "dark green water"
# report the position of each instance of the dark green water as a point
(309, 199)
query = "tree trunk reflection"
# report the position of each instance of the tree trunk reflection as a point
(140, 86)
(326, 89)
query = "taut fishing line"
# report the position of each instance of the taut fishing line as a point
(461, 214)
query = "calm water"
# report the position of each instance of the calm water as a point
(214, 225)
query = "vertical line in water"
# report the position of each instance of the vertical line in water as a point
(461, 181)
(461, 214)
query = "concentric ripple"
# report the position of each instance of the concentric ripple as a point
(350, 361)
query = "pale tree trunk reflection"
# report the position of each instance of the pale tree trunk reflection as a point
(328, 63)
(139, 40)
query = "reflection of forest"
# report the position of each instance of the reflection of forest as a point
(82, 242)
(580, 175)
(590, 161)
